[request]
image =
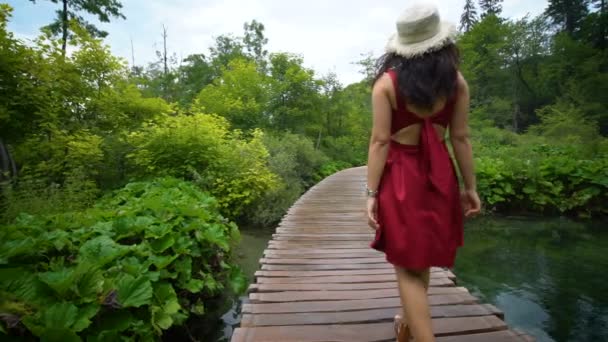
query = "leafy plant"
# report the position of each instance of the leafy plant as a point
(143, 259)
(202, 148)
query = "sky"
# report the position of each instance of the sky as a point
(330, 34)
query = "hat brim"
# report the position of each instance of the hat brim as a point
(447, 34)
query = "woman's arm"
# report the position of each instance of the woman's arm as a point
(381, 132)
(463, 151)
(379, 142)
(460, 135)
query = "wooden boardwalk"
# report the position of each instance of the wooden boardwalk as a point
(320, 281)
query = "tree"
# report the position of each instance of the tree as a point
(568, 15)
(367, 66)
(254, 41)
(240, 95)
(596, 25)
(294, 103)
(226, 48)
(485, 68)
(490, 7)
(469, 16)
(103, 9)
(194, 74)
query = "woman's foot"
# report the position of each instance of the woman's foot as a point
(402, 331)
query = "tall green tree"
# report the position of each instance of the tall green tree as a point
(568, 15)
(194, 74)
(240, 95)
(596, 24)
(469, 16)
(102, 9)
(226, 48)
(490, 7)
(294, 103)
(255, 42)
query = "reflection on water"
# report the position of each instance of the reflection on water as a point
(250, 250)
(549, 276)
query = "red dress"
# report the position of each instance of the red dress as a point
(419, 209)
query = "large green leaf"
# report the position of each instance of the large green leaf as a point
(161, 244)
(162, 261)
(101, 250)
(194, 285)
(84, 317)
(134, 292)
(238, 280)
(91, 283)
(61, 281)
(60, 316)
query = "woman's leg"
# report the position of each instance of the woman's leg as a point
(413, 292)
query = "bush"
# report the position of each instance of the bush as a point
(295, 160)
(202, 148)
(38, 197)
(349, 150)
(55, 157)
(143, 259)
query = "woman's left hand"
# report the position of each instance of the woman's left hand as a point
(372, 212)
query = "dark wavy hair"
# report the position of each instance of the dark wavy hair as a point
(426, 78)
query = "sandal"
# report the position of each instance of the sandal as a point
(402, 331)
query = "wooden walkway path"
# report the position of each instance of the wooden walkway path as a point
(319, 280)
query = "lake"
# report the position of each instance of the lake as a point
(548, 275)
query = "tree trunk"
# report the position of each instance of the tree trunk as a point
(166, 67)
(8, 168)
(64, 28)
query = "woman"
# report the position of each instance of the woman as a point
(414, 202)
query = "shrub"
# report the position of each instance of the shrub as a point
(349, 150)
(38, 197)
(201, 147)
(143, 259)
(296, 162)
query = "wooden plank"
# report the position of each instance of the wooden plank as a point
(298, 296)
(286, 261)
(316, 250)
(349, 305)
(347, 279)
(267, 267)
(365, 332)
(324, 256)
(360, 316)
(435, 272)
(323, 273)
(495, 336)
(339, 287)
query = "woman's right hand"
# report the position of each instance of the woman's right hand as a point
(470, 203)
(372, 213)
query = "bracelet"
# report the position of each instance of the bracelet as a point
(370, 193)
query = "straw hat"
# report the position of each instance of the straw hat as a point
(420, 30)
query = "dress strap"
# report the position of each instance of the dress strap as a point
(430, 154)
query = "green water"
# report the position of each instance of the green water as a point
(549, 276)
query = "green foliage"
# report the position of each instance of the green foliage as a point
(143, 259)
(202, 148)
(296, 162)
(559, 166)
(102, 9)
(239, 94)
(39, 197)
